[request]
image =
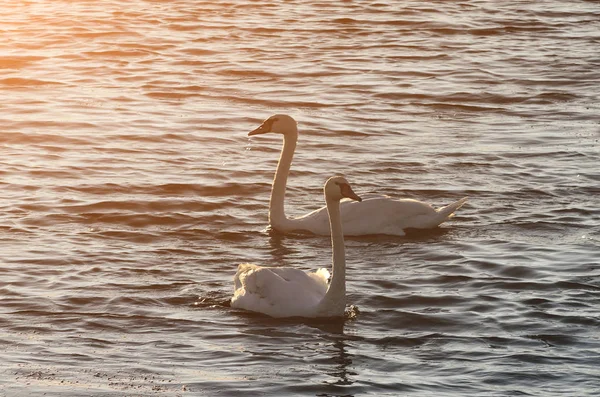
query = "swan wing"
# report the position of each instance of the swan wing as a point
(378, 215)
(382, 215)
(278, 291)
(308, 282)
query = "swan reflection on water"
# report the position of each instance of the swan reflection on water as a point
(321, 342)
(343, 362)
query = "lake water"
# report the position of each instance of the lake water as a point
(129, 192)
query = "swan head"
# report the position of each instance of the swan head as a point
(278, 123)
(337, 187)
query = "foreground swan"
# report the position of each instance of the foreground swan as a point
(379, 215)
(289, 292)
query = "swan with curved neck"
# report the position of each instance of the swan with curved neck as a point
(290, 292)
(378, 215)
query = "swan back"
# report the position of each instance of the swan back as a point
(278, 291)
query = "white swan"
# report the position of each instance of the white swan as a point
(289, 292)
(378, 215)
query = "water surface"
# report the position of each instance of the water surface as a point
(129, 192)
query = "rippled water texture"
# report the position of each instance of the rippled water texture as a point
(129, 192)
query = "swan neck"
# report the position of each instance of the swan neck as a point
(335, 298)
(276, 207)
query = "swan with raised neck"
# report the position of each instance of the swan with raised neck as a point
(287, 126)
(377, 215)
(291, 292)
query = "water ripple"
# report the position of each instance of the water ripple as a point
(130, 192)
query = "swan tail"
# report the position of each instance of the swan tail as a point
(246, 293)
(321, 278)
(448, 211)
(244, 270)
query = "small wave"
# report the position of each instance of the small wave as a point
(38, 138)
(19, 62)
(118, 54)
(17, 82)
(553, 340)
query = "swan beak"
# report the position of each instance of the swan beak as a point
(262, 129)
(347, 192)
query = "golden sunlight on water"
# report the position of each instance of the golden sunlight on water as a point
(130, 192)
